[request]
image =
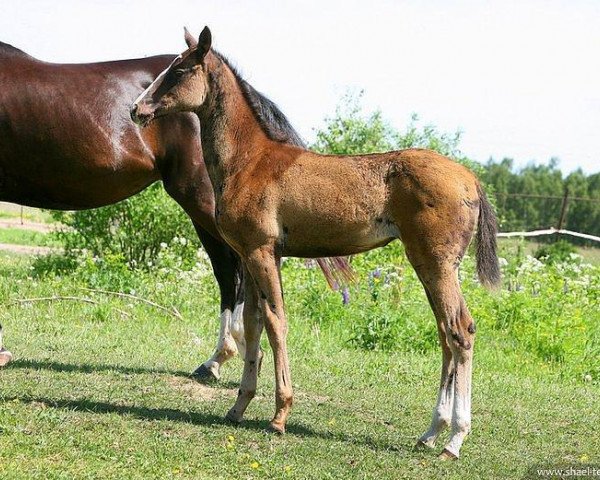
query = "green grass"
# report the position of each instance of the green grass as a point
(95, 394)
(20, 236)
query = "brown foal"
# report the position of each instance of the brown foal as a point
(275, 199)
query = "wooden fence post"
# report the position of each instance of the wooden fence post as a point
(563, 209)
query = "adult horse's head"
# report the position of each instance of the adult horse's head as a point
(181, 87)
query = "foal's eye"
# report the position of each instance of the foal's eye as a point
(179, 72)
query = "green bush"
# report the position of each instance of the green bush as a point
(559, 251)
(133, 231)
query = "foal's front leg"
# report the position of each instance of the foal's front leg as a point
(253, 327)
(263, 265)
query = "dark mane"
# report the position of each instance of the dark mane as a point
(272, 120)
(9, 50)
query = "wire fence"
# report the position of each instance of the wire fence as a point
(547, 216)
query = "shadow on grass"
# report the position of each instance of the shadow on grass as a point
(201, 419)
(95, 368)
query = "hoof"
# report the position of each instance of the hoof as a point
(447, 455)
(276, 428)
(421, 445)
(204, 375)
(233, 417)
(5, 357)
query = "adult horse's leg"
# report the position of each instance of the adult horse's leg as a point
(227, 270)
(186, 180)
(5, 355)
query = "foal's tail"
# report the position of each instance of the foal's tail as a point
(488, 269)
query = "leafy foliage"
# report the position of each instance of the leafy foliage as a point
(547, 312)
(559, 251)
(351, 132)
(132, 231)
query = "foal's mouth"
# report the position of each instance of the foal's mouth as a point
(144, 120)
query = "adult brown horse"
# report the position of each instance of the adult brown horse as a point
(67, 142)
(277, 199)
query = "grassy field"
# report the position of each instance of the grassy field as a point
(102, 391)
(19, 236)
(14, 211)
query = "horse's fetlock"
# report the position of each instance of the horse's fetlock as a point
(229, 349)
(462, 425)
(443, 419)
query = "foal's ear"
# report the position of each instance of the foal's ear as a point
(189, 38)
(204, 42)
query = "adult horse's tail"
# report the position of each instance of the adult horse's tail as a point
(488, 269)
(337, 271)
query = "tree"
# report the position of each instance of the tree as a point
(351, 131)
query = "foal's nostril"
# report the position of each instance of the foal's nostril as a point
(133, 113)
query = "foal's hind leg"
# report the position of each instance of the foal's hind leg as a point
(442, 413)
(457, 336)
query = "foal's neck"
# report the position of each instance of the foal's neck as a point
(230, 130)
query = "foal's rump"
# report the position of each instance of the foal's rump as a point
(434, 200)
(437, 204)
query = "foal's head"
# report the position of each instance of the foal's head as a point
(182, 87)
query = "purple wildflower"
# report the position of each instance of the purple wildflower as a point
(345, 296)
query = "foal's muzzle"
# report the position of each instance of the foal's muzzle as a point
(142, 114)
